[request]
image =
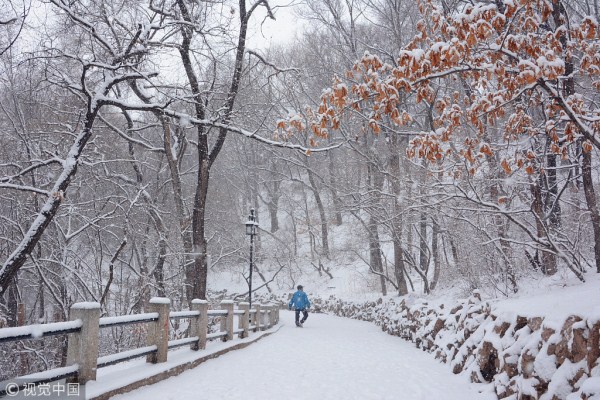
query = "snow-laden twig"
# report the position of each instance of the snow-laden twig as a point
(24, 188)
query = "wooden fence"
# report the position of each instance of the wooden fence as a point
(85, 323)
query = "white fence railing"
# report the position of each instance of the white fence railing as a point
(85, 323)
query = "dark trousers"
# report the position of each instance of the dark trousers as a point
(304, 316)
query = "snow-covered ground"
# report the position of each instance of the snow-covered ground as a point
(555, 298)
(330, 358)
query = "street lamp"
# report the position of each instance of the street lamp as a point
(251, 229)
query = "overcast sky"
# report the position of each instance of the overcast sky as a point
(267, 31)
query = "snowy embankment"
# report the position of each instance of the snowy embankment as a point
(525, 348)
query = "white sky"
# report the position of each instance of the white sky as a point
(264, 31)
(267, 31)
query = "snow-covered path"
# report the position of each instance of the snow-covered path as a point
(330, 358)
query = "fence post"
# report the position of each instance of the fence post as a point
(227, 321)
(158, 332)
(82, 348)
(265, 320)
(257, 318)
(199, 325)
(244, 320)
(272, 316)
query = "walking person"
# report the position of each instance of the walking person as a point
(300, 303)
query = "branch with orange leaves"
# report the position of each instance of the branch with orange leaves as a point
(254, 135)
(163, 109)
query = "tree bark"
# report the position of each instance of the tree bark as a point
(551, 199)
(182, 214)
(590, 198)
(197, 277)
(324, 227)
(548, 259)
(337, 202)
(375, 253)
(436, 256)
(376, 180)
(274, 196)
(423, 250)
(396, 225)
(13, 301)
(559, 15)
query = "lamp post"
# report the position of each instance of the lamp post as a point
(251, 229)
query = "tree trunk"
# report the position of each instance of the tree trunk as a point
(197, 270)
(197, 276)
(435, 254)
(253, 190)
(144, 295)
(375, 179)
(559, 15)
(399, 267)
(423, 253)
(337, 202)
(375, 253)
(590, 198)
(182, 215)
(294, 232)
(273, 209)
(396, 224)
(551, 199)
(42, 302)
(502, 225)
(548, 259)
(159, 273)
(324, 228)
(274, 196)
(309, 227)
(12, 304)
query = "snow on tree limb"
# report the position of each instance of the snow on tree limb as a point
(24, 188)
(49, 209)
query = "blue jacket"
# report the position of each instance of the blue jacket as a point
(299, 301)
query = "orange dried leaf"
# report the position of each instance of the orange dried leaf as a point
(375, 127)
(486, 149)
(506, 167)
